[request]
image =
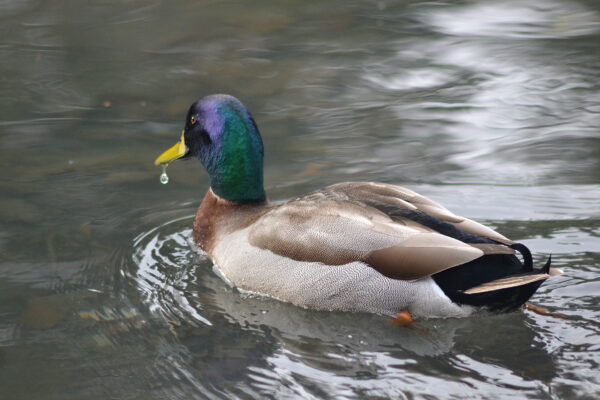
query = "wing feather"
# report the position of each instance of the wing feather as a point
(396, 196)
(335, 232)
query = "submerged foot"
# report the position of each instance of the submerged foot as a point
(544, 311)
(403, 318)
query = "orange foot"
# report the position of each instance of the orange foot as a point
(403, 318)
(544, 311)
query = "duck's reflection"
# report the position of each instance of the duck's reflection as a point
(348, 342)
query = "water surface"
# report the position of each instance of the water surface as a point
(491, 108)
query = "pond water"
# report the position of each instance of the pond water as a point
(491, 108)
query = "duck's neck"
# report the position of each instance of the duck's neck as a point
(240, 182)
(237, 172)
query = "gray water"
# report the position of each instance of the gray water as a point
(490, 107)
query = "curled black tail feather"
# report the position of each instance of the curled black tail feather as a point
(527, 259)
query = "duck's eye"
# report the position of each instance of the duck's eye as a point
(193, 120)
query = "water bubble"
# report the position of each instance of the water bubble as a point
(164, 178)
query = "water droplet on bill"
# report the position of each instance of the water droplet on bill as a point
(164, 178)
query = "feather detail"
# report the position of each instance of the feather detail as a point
(489, 248)
(476, 228)
(505, 283)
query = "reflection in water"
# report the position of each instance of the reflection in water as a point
(490, 107)
(496, 90)
(526, 19)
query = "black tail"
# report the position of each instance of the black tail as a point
(455, 281)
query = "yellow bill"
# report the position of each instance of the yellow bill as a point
(177, 151)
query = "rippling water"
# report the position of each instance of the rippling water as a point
(492, 108)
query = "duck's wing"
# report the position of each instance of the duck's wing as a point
(401, 203)
(334, 229)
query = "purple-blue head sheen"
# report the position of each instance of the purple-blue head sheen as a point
(222, 134)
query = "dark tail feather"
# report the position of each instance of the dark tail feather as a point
(527, 259)
(546, 268)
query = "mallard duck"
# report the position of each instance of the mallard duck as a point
(353, 246)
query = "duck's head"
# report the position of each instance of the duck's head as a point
(220, 132)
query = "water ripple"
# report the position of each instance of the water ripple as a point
(163, 274)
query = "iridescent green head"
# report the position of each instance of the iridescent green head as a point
(222, 134)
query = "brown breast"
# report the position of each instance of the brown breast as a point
(216, 217)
